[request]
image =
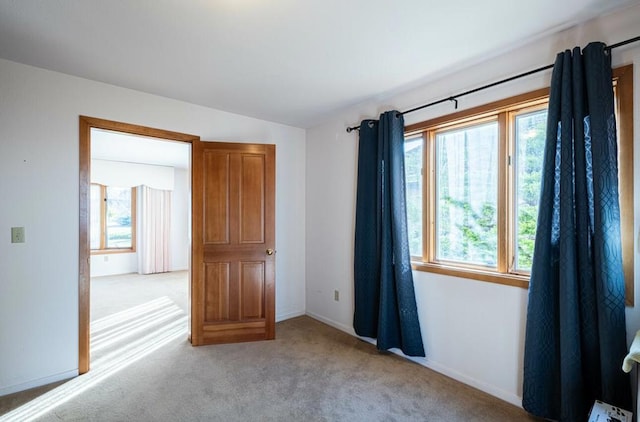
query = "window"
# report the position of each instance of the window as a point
(112, 218)
(466, 194)
(473, 183)
(529, 139)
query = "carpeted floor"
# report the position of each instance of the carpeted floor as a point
(311, 372)
(111, 294)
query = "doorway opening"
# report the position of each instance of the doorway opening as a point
(135, 231)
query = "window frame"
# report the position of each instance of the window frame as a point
(505, 111)
(103, 250)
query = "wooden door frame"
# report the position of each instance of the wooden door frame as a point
(86, 124)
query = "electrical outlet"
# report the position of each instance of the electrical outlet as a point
(336, 295)
(17, 234)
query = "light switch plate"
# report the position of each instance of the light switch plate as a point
(17, 234)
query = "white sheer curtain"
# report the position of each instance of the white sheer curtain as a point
(154, 224)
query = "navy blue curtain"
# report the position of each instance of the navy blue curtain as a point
(576, 335)
(385, 303)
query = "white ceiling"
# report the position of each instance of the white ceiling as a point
(288, 61)
(117, 146)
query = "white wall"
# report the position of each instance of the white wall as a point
(126, 174)
(114, 264)
(473, 331)
(39, 189)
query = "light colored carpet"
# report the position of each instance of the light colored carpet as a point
(111, 294)
(311, 372)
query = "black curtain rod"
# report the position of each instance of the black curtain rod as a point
(454, 98)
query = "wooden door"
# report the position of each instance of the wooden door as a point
(233, 243)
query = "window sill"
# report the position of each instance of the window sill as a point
(515, 280)
(111, 251)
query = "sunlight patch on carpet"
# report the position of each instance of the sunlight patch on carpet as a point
(161, 319)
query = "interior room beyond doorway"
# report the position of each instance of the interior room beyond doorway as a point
(139, 237)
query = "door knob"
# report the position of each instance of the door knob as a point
(270, 251)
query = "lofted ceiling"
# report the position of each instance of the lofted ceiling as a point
(288, 61)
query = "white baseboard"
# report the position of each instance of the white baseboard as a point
(334, 324)
(288, 315)
(37, 383)
(451, 373)
(443, 369)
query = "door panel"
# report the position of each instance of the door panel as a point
(216, 198)
(233, 295)
(252, 199)
(251, 280)
(217, 292)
